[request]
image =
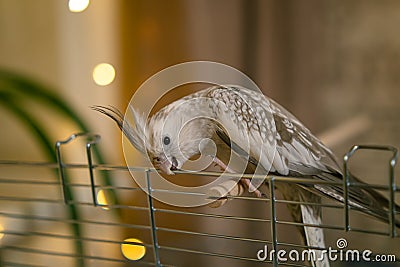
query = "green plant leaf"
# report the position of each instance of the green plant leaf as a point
(33, 90)
(16, 91)
(44, 140)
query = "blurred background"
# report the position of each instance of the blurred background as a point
(334, 64)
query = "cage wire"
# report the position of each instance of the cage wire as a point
(36, 229)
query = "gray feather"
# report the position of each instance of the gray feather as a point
(134, 134)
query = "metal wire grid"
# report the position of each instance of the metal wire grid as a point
(155, 248)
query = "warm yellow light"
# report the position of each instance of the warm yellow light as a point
(103, 199)
(103, 74)
(132, 251)
(1, 231)
(78, 5)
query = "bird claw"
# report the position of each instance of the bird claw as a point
(245, 182)
(251, 188)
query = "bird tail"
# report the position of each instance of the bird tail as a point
(309, 217)
(380, 204)
(364, 198)
(314, 236)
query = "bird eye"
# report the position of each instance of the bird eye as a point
(166, 140)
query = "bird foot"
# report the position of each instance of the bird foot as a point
(245, 182)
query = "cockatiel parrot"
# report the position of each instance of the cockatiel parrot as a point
(266, 135)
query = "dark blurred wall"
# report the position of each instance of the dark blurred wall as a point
(279, 44)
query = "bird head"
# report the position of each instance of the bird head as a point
(174, 135)
(170, 137)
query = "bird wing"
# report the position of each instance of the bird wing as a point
(260, 130)
(269, 133)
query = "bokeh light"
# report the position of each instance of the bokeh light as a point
(103, 199)
(103, 74)
(78, 5)
(132, 251)
(1, 231)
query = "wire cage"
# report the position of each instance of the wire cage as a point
(37, 228)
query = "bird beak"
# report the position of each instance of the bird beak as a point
(168, 167)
